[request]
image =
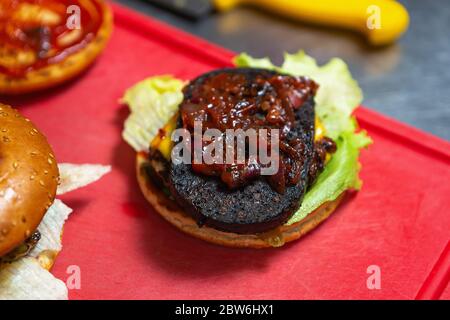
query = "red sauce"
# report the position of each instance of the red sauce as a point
(43, 40)
(231, 101)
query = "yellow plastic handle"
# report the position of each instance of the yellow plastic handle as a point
(382, 21)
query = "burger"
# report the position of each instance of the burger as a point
(45, 43)
(300, 114)
(31, 219)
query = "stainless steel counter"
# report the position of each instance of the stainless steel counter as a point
(409, 81)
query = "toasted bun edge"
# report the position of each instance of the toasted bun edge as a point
(274, 238)
(28, 178)
(65, 70)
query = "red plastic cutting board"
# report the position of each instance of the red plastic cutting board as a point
(399, 221)
(446, 294)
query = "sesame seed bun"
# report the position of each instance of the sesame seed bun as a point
(181, 220)
(68, 68)
(28, 178)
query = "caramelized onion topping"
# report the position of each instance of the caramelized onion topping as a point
(231, 101)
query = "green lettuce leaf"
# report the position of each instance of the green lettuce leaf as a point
(340, 174)
(336, 99)
(244, 60)
(338, 94)
(152, 103)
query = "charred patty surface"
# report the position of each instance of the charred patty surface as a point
(255, 207)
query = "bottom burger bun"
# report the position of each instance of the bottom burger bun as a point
(170, 211)
(28, 178)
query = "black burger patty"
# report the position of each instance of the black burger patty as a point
(255, 207)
